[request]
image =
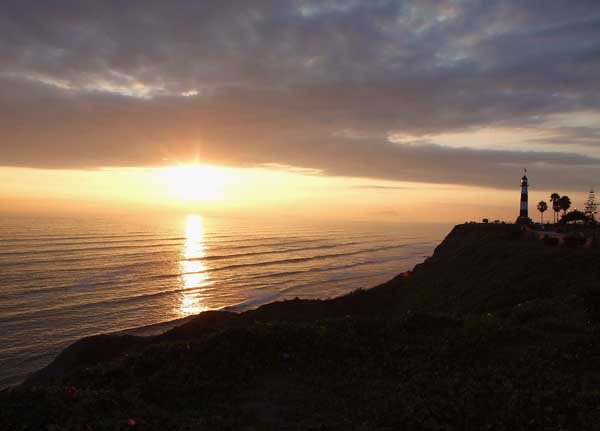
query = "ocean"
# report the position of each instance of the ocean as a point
(63, 278)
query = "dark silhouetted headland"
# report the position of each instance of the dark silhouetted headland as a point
(494, 331)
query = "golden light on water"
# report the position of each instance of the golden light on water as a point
(193, 275)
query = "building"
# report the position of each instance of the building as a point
(524, 208)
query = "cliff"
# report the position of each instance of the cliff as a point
(493, 331)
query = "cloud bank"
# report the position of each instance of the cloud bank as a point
(312, 84)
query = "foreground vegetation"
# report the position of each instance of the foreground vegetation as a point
(492, 332)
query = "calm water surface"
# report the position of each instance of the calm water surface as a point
(65, 278)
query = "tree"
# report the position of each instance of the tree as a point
(590, 206)
(564, 203)
(541, 207)
(574, 216)
(554, 197)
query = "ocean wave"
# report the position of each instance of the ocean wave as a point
(299, 259)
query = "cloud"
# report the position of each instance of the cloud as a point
(585, 136)
(313, 84)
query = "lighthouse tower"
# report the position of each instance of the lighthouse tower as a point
(523, 213)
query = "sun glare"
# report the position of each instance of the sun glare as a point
(196, 182)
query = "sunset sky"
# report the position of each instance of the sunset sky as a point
(402, 110)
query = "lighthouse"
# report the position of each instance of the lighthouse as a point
(523, 212)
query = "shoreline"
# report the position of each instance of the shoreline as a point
(160, 328)
(242, 307)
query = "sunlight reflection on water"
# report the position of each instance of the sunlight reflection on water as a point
(192, 268)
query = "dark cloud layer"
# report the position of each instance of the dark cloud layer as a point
(316, 84)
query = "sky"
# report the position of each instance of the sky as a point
(405, 110)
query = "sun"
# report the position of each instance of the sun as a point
(196, 182)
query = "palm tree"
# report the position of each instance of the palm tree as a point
(541, 207)
(554, 197)
(564, 203)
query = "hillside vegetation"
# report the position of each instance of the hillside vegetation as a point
(494, 331)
